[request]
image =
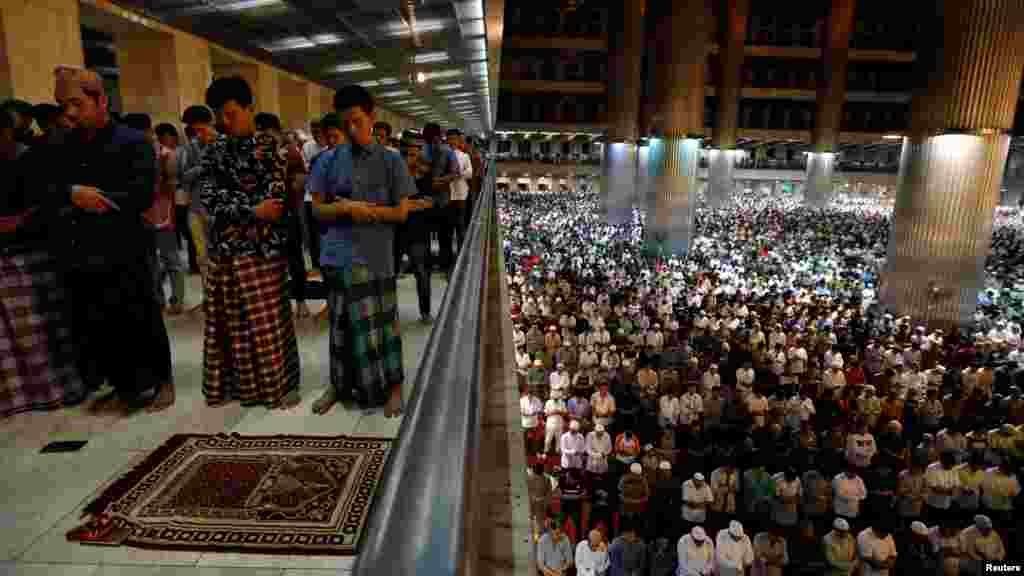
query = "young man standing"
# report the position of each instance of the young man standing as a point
(460, 186)
(414, 236)
(442, 169)
(361, 192)
(106, 173)
(250, 350)
(198, 120)
(295, 176)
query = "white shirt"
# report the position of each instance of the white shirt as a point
(694, 559)
(309, 151)
(668, 408)
(590, 562)
(460, 186)
(878, 549)
(732, 556)
(559, 382)
(691, 406)
(530, 407)
(694, 497)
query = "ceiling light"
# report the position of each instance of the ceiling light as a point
(892, 137)
(421, 78)
(368, 83)
(403, 102)
(459, 95)
(326, 39)
(430, 57)
(296, 43)
(395, 94)
(401, 29)
(443, 87)
(353, 67)
(473, 27)
(238, 6)
(388, 81)
(441, 74)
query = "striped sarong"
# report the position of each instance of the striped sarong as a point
(37, 356)
(250, 351)
(365, 339)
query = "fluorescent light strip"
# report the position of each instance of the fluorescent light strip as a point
(368, 83)
(353, 67)
(239, 6)
(403, 102)
(442, 74)
(388, 81)
(395, 93)
(326, 39)
(401, 29)
(444, 87)
(430, 57)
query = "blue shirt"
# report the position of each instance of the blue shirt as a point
(371, 174)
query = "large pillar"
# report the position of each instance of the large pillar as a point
(294, 103)
(162, 73)
(625, 51)
(731, 33)
(682, 40)
(262, 79)
(36, 36)
(953, 159)
(831, 95)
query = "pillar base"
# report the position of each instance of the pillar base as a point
(942, 226)
(721, 168)
(818, 189)
(670, 218)
(618, 182)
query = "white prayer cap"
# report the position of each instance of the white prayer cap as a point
(665, 465)
(698, 534)
(599, 428)
(561, 365)
(574, 425)
(841, 524)
(612, 348)
(636, 468)
(699, 477)
(918, 527)
(736, 529)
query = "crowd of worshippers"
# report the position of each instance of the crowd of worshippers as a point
(96, 207)
(752, 407)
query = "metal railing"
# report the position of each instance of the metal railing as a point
(423, 520)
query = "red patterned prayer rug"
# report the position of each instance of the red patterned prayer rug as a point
(263, 494)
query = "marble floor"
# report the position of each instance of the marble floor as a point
(44, 494)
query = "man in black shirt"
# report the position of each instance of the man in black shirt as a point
(104, 176)
(414, 235)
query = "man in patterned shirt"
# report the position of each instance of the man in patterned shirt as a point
(250, 351)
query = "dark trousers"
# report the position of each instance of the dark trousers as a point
(457, 212)
(415, 245)
(181, 219)
(444, 230)
(313, 231)
(296, 259)
(119, 332)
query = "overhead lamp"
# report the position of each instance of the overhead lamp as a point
(284, 44)
(421, 77)
(443, 87)
(326, 39)
(388, 81)
(430, 57)
(368, 83)
(442, 74)
(403, 102)
(353, 67)
(395, 94)
(238, 6)
(400, 29)
(892, 137)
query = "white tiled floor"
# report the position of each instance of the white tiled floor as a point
(44, 493)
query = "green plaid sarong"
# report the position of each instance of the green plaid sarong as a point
(365, 335)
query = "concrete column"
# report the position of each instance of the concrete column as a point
(162, 73)
(731, 35)
(262, 79)
(829, 108)
(36, 36)
(682, 41)
(953, 159)
(294, 103)
(625, 51)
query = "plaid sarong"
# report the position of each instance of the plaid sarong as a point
(366, 339)
(250, 351)
(37, 357)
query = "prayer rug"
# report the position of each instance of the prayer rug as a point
(260, 494)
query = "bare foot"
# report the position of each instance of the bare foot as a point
(325, 402)
(164, 398)
(394, 405)
(290, 401)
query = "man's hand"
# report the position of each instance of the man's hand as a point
(91, 200)
(270, 210)
(358, 212)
